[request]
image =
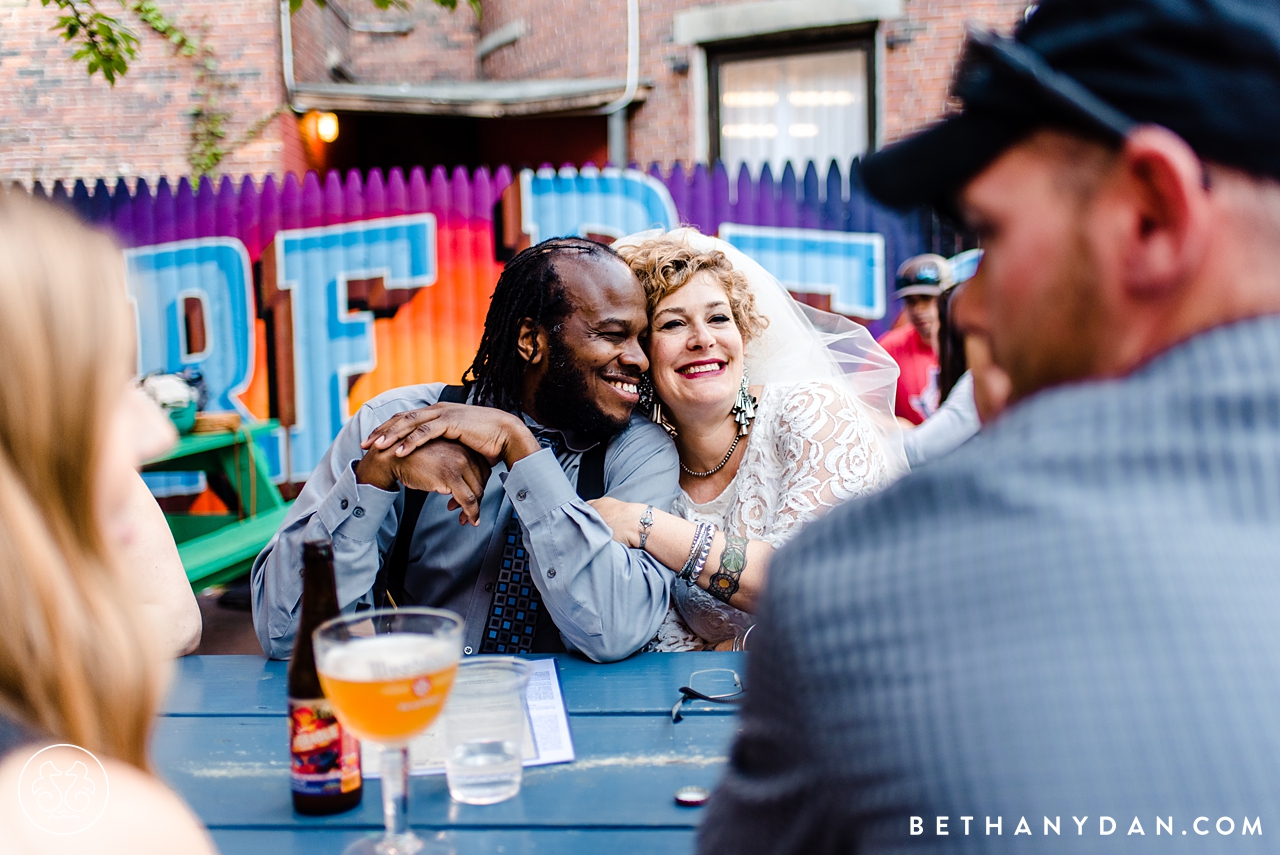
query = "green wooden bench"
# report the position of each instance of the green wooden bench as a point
(220, 548)
(227, 554)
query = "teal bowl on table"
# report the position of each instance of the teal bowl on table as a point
(184, 418)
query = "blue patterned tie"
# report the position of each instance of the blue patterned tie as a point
(516, 604)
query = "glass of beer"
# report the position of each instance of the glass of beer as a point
(387, 673)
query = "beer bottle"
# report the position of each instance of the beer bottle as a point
(324, 766)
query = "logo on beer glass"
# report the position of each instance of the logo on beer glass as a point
(63, 789)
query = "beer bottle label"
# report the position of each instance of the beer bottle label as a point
(324, 758)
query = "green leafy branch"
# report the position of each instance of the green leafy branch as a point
(105, 44)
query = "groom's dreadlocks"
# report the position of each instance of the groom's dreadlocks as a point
(529, 287)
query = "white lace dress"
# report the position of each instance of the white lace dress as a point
(810, 449)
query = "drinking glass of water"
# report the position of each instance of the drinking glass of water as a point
(484, 723)
(387, 673)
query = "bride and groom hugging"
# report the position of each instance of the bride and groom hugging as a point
(641, 427)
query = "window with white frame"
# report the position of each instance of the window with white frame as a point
(774, 106)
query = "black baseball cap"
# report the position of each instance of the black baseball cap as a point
(925, 275)
(1208, 70)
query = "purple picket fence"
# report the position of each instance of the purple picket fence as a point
(840, 203)
(254, 212)
(705, 196)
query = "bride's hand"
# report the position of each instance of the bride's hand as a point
(622, 517)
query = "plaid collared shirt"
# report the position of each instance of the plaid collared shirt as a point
(1075, 617)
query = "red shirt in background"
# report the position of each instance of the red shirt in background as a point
(917, 397)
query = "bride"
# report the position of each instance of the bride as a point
(779, 412)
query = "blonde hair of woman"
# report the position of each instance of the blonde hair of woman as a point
(77, 664)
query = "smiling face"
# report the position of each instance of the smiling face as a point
(585, 375)
(696, 350)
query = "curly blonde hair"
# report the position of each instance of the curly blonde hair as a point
(665, 264)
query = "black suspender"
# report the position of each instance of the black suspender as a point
(388, 588)
(591, 473)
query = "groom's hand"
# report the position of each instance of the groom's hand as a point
(446, 467)
(491, 433)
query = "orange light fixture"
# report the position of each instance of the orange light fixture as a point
(327, 127)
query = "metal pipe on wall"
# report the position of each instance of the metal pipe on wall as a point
(617, 110)
(286, 48)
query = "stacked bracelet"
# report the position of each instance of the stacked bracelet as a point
(698, 552)
(702, 558)
(693, 552)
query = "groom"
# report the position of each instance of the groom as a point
(533, 567)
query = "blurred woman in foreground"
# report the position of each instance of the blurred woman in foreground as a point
(78, 663)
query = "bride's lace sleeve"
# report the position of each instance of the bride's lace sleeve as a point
(829, 453)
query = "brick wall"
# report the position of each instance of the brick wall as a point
(439, 46)
(570, 38)
(57, 123)
(564, 38)
(661, 129)
(315, 32)
(917, 72)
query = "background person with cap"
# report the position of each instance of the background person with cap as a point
(1072, 617)
(970, 395)
(920, 280)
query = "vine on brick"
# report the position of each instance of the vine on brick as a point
(213, 90)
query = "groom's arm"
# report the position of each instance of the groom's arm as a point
(360, 518)
(607, 600)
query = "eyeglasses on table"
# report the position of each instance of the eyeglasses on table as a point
(713, 685)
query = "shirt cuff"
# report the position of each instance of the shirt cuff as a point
(537, 486)
(354, 510)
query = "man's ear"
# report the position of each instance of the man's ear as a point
(1171, 212)
(532, 342)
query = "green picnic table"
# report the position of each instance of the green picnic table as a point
(219, 548)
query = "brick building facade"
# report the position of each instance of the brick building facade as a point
(56, 123)
(525, 84)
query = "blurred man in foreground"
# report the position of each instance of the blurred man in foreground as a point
(1065, 630)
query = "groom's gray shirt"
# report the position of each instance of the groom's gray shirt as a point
(1075, 615)
(606, 600)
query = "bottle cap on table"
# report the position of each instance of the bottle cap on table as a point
(692, 796)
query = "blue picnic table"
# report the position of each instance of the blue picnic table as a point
(222, 744)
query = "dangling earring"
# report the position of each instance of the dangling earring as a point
(645, 388)
(744, 409)
(650, 403)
